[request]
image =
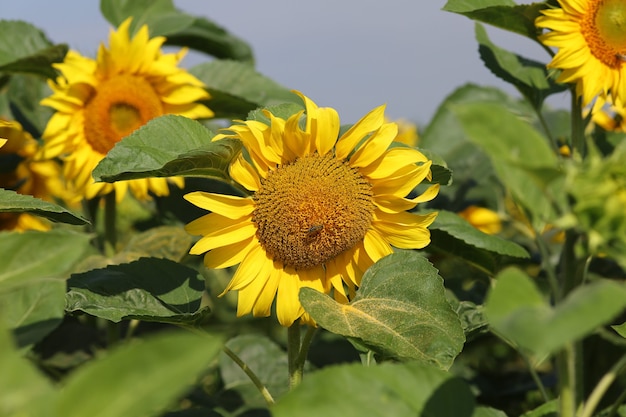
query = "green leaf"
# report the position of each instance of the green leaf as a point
(284, 111)
(265, 358)
(39, 255)
(503, 14)
(549, 409)
(530, 77)
(32, 309)
(25, 49)
(180, 28)
(520, 155)
(242, 81)
(168, 146)
(168, 242)
(24, 93)
(487, 412)
(518, 311)
(25, 392)
(12, 202)
(459, 228)
(149, 289)
(400, 310)
(620, 329)
(399, 390)
(141, 378)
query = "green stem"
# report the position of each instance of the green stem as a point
(293, 353)
(602, 387)
(255, 379)
(544, 125)
(578, 127)
(566, 363)
(306, 343)
(547, 266)
(110, 213)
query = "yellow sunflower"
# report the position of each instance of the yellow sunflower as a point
(24, 175)
(591, 37)
(322, 210)
(99, 102)
(609, 115)
(483, 219)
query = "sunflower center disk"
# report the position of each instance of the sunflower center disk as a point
(122, 104)
(604, 29)
(311, 210)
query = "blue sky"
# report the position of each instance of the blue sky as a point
(350, 55)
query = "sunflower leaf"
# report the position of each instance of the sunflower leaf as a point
(530, 77)
(516, 309)
(149, 289)
(389, 389)
(25, 49)
(57, 251)
(12, 202)
(180, 29)
(167, 146)
(399, 311)
(503, 14)
(157, 371)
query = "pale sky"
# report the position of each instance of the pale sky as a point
(351, 55)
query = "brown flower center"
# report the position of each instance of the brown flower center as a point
(121, 104)
(604, 29)
(311, 210)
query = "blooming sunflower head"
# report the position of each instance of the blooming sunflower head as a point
(98, 102)
(21, 173)
(591, 39)
(322, 209)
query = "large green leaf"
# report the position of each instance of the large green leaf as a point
(24, 93)
(11, 202)
(25, 49)
(399, 390)
(242, 81)
(530, 77)
(400, 310)
(520, 155)
(517, 310)
(141, 378)
(34, 255)
(24, 392)
(265, 358)
(180, 28)
(32, 309)
(150, 289)
(168, 146)
(504, 14)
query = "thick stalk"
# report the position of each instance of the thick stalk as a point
(255, 379)
(566, 366)
(110, 233)
(293, 353)
(578, 127)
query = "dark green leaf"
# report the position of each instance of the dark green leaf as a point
(400, 310)
(487, 412)
(169, 242)
(529, 77)
(32, 309)
(168, 146)
(25, 49)
(284, 111)
(39, 255)
(549, 409)
(518, 311)
(25, 392)
(242, 81)
(459, 228)
(141, 378)
(150, 289)
(12, 202)
(399, 390)
(503, 14)
(180, 28)
(24, 93)
(265, 358)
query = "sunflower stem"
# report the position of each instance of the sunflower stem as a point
(110, 213)
(255, 379)
(578, 127)
(293, 355)
(602, 387)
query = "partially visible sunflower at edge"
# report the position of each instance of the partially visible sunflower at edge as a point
(98, 102)
(19, 172)
(591, 38)
(323, 208)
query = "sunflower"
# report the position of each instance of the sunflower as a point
(591, 37)
(483, 219)
(24, 175)
(99, 102)
(322, 209)
(609, 115)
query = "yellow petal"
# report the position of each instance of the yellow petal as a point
(252, 263)
(229, 255)
(374, 146)
(244, 174)
(249, 295)
(375, 246)
(238, 232)
(370, 122)
(263, 305)
(288, 307)
(229, 206)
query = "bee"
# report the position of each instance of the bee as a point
(314, 230)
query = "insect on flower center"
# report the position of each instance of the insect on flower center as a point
(121, 104)
(604, 29)
(311, 210)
